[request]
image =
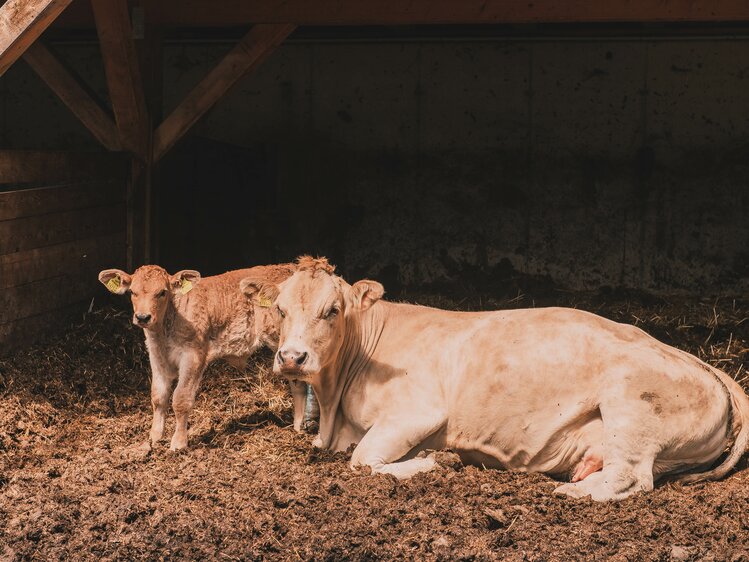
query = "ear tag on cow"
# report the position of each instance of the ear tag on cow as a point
(113, 284)
(186, 286)
(265, 302)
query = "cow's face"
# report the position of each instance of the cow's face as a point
(313, 307)
(150, 288)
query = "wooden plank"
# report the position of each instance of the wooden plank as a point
(96, 253)
(30, 166)
(233, 13)
(55, 199)
(37, 232)
(73, 94)
(24, 301)
(248, 54)
(29, 330)
(21, 23)
(123, 73)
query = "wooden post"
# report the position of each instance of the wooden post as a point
(249, 53)
(129, 105)
(21, 23)
(73, 94)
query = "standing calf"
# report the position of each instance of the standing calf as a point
(190, 322)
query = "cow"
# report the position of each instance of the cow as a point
(189, 322)
(552, 390)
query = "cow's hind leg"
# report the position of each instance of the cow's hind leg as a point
(614, 482)
(629, 451)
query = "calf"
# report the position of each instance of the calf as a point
(551, 390)
(191, 321)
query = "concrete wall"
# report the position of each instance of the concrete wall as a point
(582, 162)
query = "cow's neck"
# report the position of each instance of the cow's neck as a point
(362, 334)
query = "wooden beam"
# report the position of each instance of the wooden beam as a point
(248, 54)
(73, 94)
(123, 74)
(232, 13)
(55, 167)
(21, 23)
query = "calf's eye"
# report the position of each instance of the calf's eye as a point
(281, 313)
(161, 293)
(330, 313)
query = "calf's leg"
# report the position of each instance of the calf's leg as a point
(191, 369)
(299, 395)
(161, 388)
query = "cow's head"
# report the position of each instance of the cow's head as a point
(151, 288)
(312, 307)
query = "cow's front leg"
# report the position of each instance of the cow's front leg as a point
(391, 439)
(191, 369)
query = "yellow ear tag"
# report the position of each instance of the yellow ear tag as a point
(113, 284)
(186, 286)
(265, 302)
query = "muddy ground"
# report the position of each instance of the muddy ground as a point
(73, 485)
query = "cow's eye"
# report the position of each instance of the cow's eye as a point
(331, 313)
(281, 313)
(132, 294)
(161, 293)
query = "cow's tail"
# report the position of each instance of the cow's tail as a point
(739, 404)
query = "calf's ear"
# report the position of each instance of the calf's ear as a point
(183, 281)
(259, 291)
(365, 293)
(115, 280)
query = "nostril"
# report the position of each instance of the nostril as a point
(301, 358)
(279, 357)
(143, 318)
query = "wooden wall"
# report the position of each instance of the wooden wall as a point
(62, 219)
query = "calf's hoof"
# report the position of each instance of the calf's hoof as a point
(178, 443)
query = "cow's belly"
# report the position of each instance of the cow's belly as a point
(535, 442)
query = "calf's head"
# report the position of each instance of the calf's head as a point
(313, 306)
(151, 288)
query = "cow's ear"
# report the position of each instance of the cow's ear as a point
(115, 280)
(183, 281)
(259, 291)
(365, 293)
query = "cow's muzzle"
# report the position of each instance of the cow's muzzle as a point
(291, 360)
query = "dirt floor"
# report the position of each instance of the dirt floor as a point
(73, 485)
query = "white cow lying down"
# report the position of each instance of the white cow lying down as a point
(551, 390)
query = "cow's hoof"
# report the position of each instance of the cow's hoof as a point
(317, 442)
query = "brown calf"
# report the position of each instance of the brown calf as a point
(191, 321)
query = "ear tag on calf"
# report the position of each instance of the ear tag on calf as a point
(113, 284)
(186, 287)
(265, 302)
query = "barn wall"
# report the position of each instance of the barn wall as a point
(590, 163)
(62, 220)
(585, 162)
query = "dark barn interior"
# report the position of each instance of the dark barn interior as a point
(467, 154)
